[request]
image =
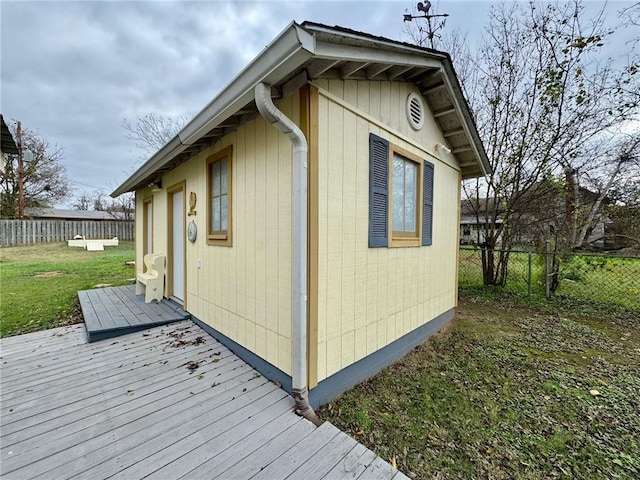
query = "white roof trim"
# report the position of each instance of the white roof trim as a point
(287, 52)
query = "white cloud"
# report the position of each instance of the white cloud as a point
(75, 69)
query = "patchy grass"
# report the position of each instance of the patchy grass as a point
(507, 393)
(587, 278)
(39, 283)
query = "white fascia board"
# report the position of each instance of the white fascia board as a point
(468, 126)
(170, 150)
(288, 51)
(394, 45)
(349, 53)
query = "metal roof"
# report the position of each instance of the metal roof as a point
(308, 51)
(7, 144)
(59, 213)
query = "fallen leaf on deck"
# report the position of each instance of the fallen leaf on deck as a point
(193, 366)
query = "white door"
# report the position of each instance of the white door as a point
(177, 245)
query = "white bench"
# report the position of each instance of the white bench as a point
(151, 281)
(94, 244)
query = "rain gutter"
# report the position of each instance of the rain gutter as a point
(290, 50)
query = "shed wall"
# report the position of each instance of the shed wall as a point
(369, 297)
(243, 291)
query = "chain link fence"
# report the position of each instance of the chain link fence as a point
(581, 277)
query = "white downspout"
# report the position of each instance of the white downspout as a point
(299, 248)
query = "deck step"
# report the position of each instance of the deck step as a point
(114, 311)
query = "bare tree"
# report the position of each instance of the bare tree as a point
(631, 17)
(121, 208)
(618, 165)
(544, 102)
(83, 202)
(44, 176)
(151, 132)
(624, 213)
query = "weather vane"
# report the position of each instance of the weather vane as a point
(432, 28)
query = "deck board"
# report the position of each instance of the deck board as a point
(114, 311)
(327, 457)
(286, 464)
(352, 465)
(46, 406)
(60, 359)
(130, 408)
(249, 463)
(46, 340)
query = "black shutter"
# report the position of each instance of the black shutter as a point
(427, 204)
(378, 190)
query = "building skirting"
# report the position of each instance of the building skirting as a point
(347, 378)
(367, 367)
(267, 370)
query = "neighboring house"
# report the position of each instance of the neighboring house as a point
(7, 144)
(62, 214)
(539, 217)
(473, 221)
(322, 253)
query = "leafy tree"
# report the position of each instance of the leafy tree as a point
(44, 179)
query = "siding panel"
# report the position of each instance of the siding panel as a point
(379, 294)
(243, 291)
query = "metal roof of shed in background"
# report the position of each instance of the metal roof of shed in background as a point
(302, 53)
(63, 214)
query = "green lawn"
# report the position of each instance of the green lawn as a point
(507, 393)
(594, 279)
(39, 283)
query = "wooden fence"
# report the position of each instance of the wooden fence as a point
(22, 232)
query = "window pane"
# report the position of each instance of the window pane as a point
(215, 179)
(223, 213)
(411, 196)
(215, 221)
(223, 176)
(212, 214)
(398, 193)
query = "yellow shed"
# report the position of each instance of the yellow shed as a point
(309, 214)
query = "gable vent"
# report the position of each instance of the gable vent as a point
(415, 111)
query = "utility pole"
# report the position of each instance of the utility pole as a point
(20, 173)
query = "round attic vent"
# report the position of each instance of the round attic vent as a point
(415, 111)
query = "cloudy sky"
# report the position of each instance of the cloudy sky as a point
(73, 70)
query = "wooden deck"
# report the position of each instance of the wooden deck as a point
(114, 311)
(167, 403)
